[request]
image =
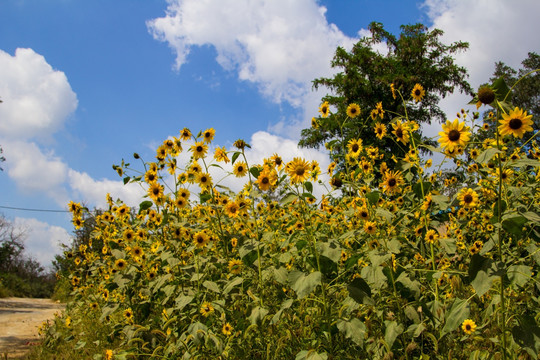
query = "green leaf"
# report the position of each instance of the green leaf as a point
(419, 186)
(204, 197)
(308, 186)
(289, 198)
(374, 276)
(486, 155)
(310, 355)
(145, 205)
(459, 312)
(532, 216)
(360, 291)
(232, 284)
(181, 301)
(126, 180)
(257, 315)
(519, 274)
(500, 88)
(210, 285)
(304, 284)
(373, 197)
(353, 329)
(255, 171)
(286, 304)
(514, 224)
(108, 310)
(525, 162)
(235, 156)
(393, 330)
(527, 335)
(412, 286)
(482, 272)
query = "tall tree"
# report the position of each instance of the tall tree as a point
(415, 57)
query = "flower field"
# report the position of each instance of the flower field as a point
(396, 259)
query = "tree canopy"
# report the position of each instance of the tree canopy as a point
(416, 56)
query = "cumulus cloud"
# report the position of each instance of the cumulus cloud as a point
(36, 98)
(42, 241)
(93, 191)
(278, 44)
(496, 30)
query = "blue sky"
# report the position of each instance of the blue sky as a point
(87, 83)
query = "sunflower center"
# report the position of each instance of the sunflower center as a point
(399, 133)
(453, 135)
(417, 92)
(468, 199)
(265, 180)
(392, 182)
(203, 179)
(300, 171)
(355, 148)
(515, 124)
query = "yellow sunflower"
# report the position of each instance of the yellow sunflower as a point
(454, 134)
(200, 239)
(298, 170)
(185, 134)
(370, 227)
(204, 180)
(417, 92)
(199, 150)
(324, 109)
(392, 181)
(353, 110)
(120, 264)
(206, 309)
(266, 179)
(380, 130)
(240, 169)
(468, 198)
(517, 122)
(232, 209)
(155, 191)
(221, 155)
(401, 131)
(235, 266)
(355, 147)
(208, 135)
(227, 329)
(468, 326)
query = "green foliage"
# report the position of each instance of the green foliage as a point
(416, 56)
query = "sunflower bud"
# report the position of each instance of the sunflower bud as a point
(486, 95)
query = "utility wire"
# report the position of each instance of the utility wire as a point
(39, 210)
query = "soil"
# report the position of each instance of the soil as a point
(19, 322)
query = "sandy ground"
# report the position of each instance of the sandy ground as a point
(19, 322)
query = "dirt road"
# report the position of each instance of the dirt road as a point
(19, 322)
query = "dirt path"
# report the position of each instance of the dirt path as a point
(19, 322)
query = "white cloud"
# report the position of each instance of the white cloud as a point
(278, 44)
(36, 98)
(93, 192)
(42, 241)
(496, 30)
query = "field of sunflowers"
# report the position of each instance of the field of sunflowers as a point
(391, 261)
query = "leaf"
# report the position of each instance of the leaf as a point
(459, 312)
(373, 197)
(360, 291)
(482, 272)
(232, 284)
(126, 179)
(419, 186)
(308, 186)
(393, 330)
(255, 171)
(145, 205)
(310, 355)
(210, 285)
(519, 274)
(527, 335)
(286, 304)
(257, 315)
(525, 162)
(182, 300)
(374, 276)
(412, 286)
(289, 198)
(486, 155)
(353, 329)
(204, 197)
(514, 224)
(304, 284)
(500, 88)
(235, 156)
(532, 216)
(108, 310)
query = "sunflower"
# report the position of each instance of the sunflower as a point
(517, 122)
(185, 134)
(370, 227)
(278, 161)
(180, 202)
(393, 88)
(363, 213)
(206, 309)
(314, 123)
(431, 236)
(353, 110)
(137, 251)
(75, 208)
(200, 239)
(486, 95)
(266, 179)
(204, 180)
(378, 111)
(232, 209)
(355, 147)
(120, 264)
(324, 109)
(468, 198)
(227, 329)
(401, 131)
(155, 191)
(392, 181)
(199, 150)
(454, 134)
(240, 169)
(468, 326)
(417, 92)
(380, 130)
(298, 170)
(128, 314)
(208, 135)
(128, 235)
(235, 266)
(221, 155)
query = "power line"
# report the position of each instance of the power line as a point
(27, 209)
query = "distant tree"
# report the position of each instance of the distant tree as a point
(415, 57)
